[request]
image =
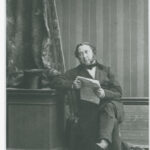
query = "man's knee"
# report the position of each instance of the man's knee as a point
(109, 105)
(109, 110)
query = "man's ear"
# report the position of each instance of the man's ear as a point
(78, 59)
(94, 56)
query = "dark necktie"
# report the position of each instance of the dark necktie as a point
(90, 66)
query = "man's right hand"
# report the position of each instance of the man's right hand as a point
(76, 84)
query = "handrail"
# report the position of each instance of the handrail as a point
(135, 100)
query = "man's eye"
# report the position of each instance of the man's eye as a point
(80, 54)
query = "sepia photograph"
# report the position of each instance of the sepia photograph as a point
(77, 75)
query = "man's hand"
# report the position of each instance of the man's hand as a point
(76, 84)
(100, 92)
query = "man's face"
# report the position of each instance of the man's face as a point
(85, 55)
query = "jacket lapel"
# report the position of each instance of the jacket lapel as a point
(99, 74)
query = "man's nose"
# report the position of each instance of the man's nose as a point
(84, 55)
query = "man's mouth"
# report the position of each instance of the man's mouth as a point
(87, 62)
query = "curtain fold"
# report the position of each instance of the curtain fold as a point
(53, 57)
(33, 38)
(38, 31)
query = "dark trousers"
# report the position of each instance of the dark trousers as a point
(109, 127)
(93, 125)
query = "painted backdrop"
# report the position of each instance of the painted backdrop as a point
(119, 30)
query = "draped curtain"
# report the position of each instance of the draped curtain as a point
(33, 38)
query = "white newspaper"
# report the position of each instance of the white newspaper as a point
(87, 89)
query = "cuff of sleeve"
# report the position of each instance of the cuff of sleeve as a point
(102, 93)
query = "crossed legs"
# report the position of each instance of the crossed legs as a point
(109, 129)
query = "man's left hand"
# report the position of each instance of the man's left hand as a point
(100, 92)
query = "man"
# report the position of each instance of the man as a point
(92, 126)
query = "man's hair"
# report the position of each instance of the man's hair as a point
(84, 43)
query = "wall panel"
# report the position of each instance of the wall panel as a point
(134, 47)
(86, 20)
(72, 31)
(120, 43)
(113, 37)
(106, 31)
(119, 30)
(93, 38)
(146, 83)
(140, 47)
(127, 50)
(99, 29)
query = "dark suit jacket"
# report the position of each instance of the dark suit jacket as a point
(107, 80)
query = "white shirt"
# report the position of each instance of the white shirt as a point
(92, 72)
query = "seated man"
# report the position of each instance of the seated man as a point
(92, 126)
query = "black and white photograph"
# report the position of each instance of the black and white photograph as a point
(77, 75)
